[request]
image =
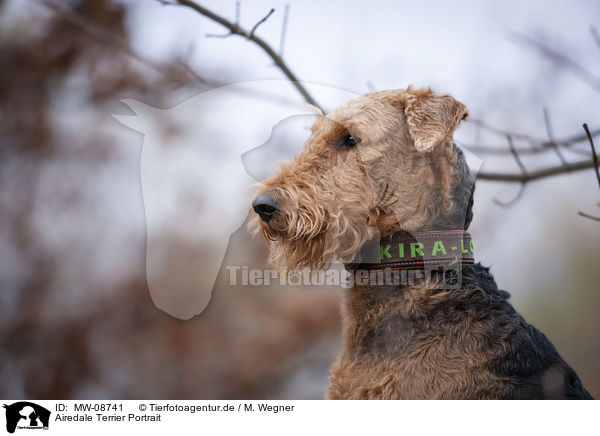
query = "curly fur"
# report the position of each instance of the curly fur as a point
(404, 342)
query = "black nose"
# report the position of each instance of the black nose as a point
(264, 206)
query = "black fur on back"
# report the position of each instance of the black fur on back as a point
(529, 360)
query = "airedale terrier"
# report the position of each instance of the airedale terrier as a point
(384, 168)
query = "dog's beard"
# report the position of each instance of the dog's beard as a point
(313, 236)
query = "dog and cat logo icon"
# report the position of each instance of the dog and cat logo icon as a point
(26, 415)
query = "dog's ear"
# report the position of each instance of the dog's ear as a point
(431, 118)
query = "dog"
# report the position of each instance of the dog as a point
(382, 175)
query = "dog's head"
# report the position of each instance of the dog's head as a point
(383, 162)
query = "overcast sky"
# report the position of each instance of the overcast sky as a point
(461, 47)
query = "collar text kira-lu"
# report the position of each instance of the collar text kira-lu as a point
(384, 166)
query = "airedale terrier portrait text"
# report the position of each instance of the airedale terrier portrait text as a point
(381, 187)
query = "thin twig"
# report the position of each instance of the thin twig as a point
(595, 159)
(509, 203)
(595, 36)
(529, 138)
(110, 39)
(560, 59)
(515, 154)
(551, 136)
(501, 132)
(219, 35)
(265, 18)
(585, 215)
(578, 152)
(99, 33)
(237, 30)
(538, 145)
(194, 75)
(286, 14)
(594, 155)
(536, 175)
(498, 150)
(165, 70)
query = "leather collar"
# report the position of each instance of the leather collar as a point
(418, 250)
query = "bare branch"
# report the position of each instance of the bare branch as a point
(536, 175)
(560, 60)
(542, 146)
(551, 140)
(594, 155)
(108, 38)
(595, 158)
(166, 70)
(530, 138)
(219, 35)
(509, 203)
(538, 145)
(286, 14)
(516, 155)
(195, 76)
(98, 33)
(501, 132)
(235, 29)
(585, 215)
(523, 172)
(595, 35)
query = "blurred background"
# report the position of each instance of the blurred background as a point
(77, 318)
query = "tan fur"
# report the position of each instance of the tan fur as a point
(435, 367)
(333, 200)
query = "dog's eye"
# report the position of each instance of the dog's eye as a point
(349, 141)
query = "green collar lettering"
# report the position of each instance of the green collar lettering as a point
(418, 250)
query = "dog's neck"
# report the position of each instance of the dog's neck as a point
(366, 313)
(377, 318)
(409, 270)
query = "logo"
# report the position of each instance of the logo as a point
(26, 415)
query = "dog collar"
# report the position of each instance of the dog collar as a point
(417, 250)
